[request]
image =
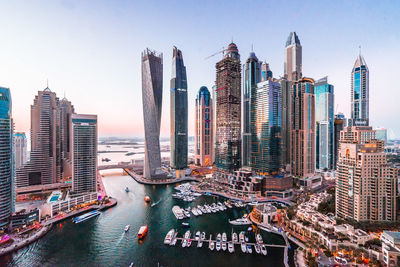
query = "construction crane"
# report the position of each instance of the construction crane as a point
(222, 51)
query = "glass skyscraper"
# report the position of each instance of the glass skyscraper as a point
(265, 156)
(6, 159)
(20, 149)
(251, 76)
(228, 111)
(179, 112)
(152, 85)
(204, 139)
(324, 121)
(293, 58)
(359, 93)
(84, 157)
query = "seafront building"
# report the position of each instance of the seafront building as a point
(366, 185)
(20, 149)
(324, 121)
(46, 162)
(204, 128)
(293, 58)
(228, 111)
(179, 112)
(84, 157)
(152, 79)
(359, 93)
(6, 159)
(338, 124)
(265, 128)
(302, 128)
(251, 76)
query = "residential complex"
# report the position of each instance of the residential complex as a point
(228, 111)
(152, 78)
(84, 157)
(6, 159)
(204, 128)
(324, 122)
(366, 186)
(179, 112)
(302, 128)
(20, 149)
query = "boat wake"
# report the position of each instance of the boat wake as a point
(156, 203)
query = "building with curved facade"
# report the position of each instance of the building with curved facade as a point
(204, 139)
(6, 159)
(152, 79)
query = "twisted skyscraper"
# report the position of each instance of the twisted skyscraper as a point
(179, 112)
(152, 78)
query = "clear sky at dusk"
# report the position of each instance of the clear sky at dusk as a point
(91, 51)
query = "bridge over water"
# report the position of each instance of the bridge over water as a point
(120, 165)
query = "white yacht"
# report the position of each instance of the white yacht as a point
(218, 243)
(235, 237)
(243, 247)
(169, 236)
(259, 239)
(264, 250)
(249, 250)
(231, 247)
(224, 237)
(211, 245)
(257, 248)
(187, 234)
(127, 228)
(178, 212)
(194, 211)
(203, 236)
(197, 236)
(199, 211)
(241, 237)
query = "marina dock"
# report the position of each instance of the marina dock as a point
(235, 243)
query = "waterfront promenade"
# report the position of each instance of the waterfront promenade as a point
(140, 179)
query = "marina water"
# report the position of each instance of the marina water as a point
(101, 241)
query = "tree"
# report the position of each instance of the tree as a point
(328, 253)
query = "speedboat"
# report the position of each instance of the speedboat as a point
(235, 237)
(243, 247)
(197, 236)
(264, 250)
(257, 248)
(184, 243)
(187, 234)
(199, 211)
(169, 236)
(211, 245)
(185, 224)
(127, 228)
(224, 237)
(200, 243)
(174, 239)
(231, 247)
(187, 214)
(241, 237)
(142, 232)
(218, 246)
(223, 245)
(249, 250)
(194, 211)
(259, 239)
(189, 242)
(127, 189)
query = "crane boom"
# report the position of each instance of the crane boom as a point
(222, 51)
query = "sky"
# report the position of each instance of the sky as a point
(90, 51)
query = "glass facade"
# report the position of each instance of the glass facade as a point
(324, 120)
(251, 76)
(179, 112)
(265, 155)
(359, 93)
(204, 128)
(6, 159)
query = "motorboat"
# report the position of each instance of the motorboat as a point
(241, 237)
(147, 199)
(259, 239)
(223, 245)
(199, 211)
(197, 236)
(127, 228)
(189, 242)
(224, 237)
(127, 189)
(187, 213)
(142, 232)
(240, 221)
(174, 239)
(211, 245)
(249, 250)
(235, 237)
(169, 236)
(187, 234)
(203, 236)
(184, 243)
(249, 229)
(218, 243)
(185, 224)
(243, 247)
(264, 250)
(194, 211)
(257, 248)
(231, 247)
(246, 238)
(178, 212)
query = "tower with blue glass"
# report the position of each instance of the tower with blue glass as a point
(251, 76)
(6, 159)
(204, 132)
(359, 93)
(324, 123)
(179, 112)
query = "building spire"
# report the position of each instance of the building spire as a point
(359, 50)
(252, 48)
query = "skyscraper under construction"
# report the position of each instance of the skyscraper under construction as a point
(228, 113)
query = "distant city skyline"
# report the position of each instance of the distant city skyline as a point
(86, 57)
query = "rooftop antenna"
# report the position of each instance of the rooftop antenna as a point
(252, 48)
(359, 48)
(47, 83)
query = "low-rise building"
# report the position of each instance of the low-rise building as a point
(391, 248)
(264, 214)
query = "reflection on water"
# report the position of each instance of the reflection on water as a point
(101, 241)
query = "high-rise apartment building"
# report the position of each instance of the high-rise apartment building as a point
(66, 111)
(204, 139)
(251, 76)
(45, 164)
(359, 93)
(6, 159)
(286, 88)
(266, 72)
(228, 111)
(366, 186)
(339, 124)
(152, 78)
(293, 58)
(265, 154)
(324, 120)
(83, 141)
(302, 128)
(20, 149)
(179, 112)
